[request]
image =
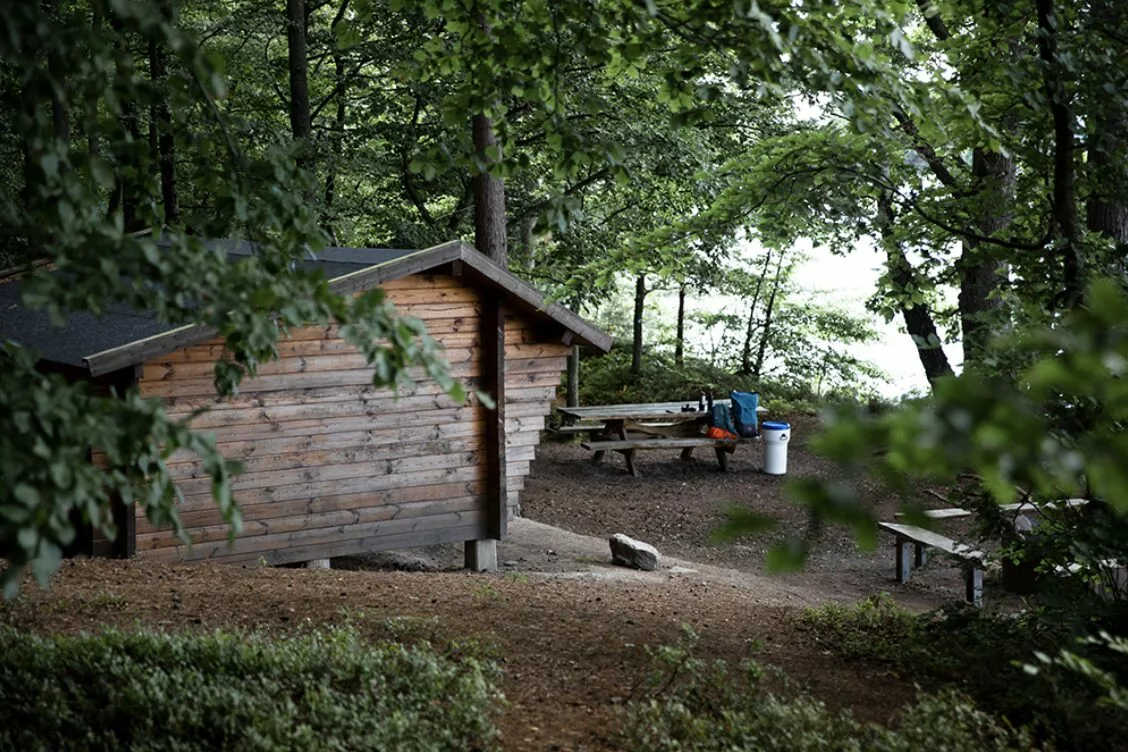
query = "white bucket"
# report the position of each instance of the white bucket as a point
(776, 436)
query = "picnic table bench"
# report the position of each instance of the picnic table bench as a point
(912, 551)
(912, 543)
(628, 447)
(627, 429)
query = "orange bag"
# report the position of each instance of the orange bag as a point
(721, 434)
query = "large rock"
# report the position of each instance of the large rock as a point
(633, 553)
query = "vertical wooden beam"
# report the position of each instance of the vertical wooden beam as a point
(493, 381)
(904, 559)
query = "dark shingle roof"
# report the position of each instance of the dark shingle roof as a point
(123, 337)
(85, 334)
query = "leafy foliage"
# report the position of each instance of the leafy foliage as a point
(698, 705)
(987, 656)
(322, 690)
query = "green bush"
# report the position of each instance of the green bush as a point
(982, 654)
(317, 691)
(607, 380)
(700, 706)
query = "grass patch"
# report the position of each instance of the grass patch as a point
(315, 691)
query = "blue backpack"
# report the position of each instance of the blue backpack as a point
(744, 415)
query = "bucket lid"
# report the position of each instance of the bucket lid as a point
(768, 425)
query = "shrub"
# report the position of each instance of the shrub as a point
(982, 654)
(318, 691)
(699, 706)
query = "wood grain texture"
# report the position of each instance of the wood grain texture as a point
(333, 465)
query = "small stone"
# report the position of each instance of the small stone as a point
(634, 553)
(510, 563)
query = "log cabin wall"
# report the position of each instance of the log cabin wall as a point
(334, 467)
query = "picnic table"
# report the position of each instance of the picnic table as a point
(658, 425)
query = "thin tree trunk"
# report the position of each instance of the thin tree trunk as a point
(758, 368)
(679, 341)
(918, 319)
(528, 224)
(298, 57)
(982, 274)
(489, 194)
(161, 124)
(91, 124)
(750, 331)
(1065, 210)
(338, 147)
(636, 343)
(60, 117)
(573, 395)
(1106, 211)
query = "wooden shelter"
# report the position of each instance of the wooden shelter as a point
(332, 465)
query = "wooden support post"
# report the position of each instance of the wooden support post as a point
(480, 555)
(629, 456)
(493, 381)
(722, 458)
(920, 555)
(904, 559)
(974, 585)
(687, 453)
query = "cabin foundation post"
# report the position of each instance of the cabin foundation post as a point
(481, 555)
(318, 564)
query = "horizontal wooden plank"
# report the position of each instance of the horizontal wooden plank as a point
(361, 377)
(240, 432)
(933, 540)
(656, 444)
(1024, 507)
(406, 497)
(324, 458)
(431, 296)
(534, 365)
(519, 350)
(365, 483)
(219, 532)
(185, 405)
(326, 473)
(307, 537)
(167, 370)
(357, 546)
(423, 282)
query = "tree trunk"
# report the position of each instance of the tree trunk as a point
(300, 126)
(758, 368)
(573, 395)
(1106, 211)
(746, 351)
(161, 124)
(918, 319)
(338, 147)
(528, 224)
(489, 195)
(981, 274)
(679, 341)
(636, 343)
(1065, 210)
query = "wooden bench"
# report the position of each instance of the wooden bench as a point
(628, 447)
(912, 551)
(1022, 506)
(577, 430)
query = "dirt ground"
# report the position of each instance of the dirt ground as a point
(572, 629)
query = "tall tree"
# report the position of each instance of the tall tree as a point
(301, 128)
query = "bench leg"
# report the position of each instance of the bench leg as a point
(687, 453)
(722, 458)
(904, 560)
(629, 456)
(920, 555)
(597, 457)
(975, 586)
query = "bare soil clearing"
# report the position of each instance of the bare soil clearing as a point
(571, 629)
